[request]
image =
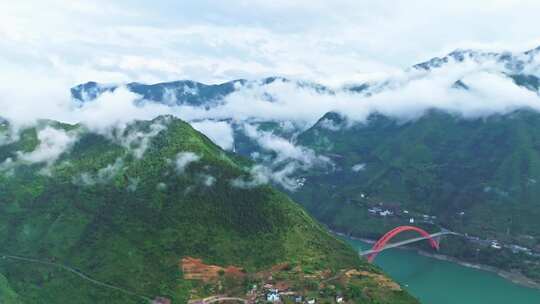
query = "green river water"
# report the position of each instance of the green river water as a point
(434, 281)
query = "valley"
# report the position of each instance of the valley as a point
(269, 152)
(425, 178)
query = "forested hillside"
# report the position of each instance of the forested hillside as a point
(125, 207)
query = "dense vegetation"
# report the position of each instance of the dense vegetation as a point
(122, 208)
(477, 176)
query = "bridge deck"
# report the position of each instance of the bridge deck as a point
(409, 241)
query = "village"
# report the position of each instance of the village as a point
(384, 209)
(283, 283)
(387, 210)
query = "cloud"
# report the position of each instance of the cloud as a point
(208, 41)
(114, 109)
(138, 142)
(220, 132)
(208, 180)
(6, 133)
(284, 149)
(102, 176)
(283, 162)
(38, 71)
(52, 143)
(184, 159)
(261, 175)
(349, 41)
(406, 95)
(161, 186)
(133, 183)
(329, 124)
(490, 92)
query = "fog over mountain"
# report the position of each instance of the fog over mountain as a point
(197, 151)
(467, 83)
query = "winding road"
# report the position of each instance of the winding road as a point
(76, 272)
(214, 299)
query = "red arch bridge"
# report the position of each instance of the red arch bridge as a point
(382, 243)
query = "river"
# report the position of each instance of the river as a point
(434, 281)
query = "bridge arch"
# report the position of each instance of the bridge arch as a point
(379, 245)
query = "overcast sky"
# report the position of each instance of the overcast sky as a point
(48, 46)
(211, 41)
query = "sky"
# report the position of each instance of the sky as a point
(47, 47)
(66, 42)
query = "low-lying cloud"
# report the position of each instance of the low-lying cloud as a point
(220, 132)
(282, 160)
(405, 96)
(184, 159)
(52, 143)
(102, 176)
(138, 142)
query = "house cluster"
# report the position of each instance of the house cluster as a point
(495, 244)
(393, 209)
(161, 300)
(272, 295)
(518, 249)
(514, 248)
(380, 211)
(276, 294)
(430, 219)
(300, 182)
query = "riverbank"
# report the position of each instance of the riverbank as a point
(514, 277)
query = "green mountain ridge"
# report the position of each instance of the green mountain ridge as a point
(126, 207)
(475, 176)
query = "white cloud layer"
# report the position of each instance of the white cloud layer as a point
(332, 42)
(184, 159)
(220, 132)
(52, 143)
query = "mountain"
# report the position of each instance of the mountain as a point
(521, 67)
(156, 209)
(185, 92)
(175, 93)
(478, 176)
(513, 62)
(467, 162)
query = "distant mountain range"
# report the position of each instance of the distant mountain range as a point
(522, 68)
(183, 92)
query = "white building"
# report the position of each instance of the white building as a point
(386, 213)
(273, 295)
(495, 245)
